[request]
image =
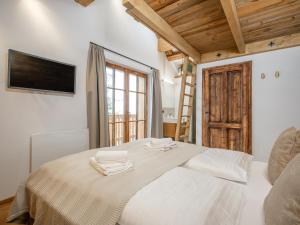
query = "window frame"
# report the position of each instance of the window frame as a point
(127, 71)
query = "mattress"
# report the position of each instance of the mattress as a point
(256, 190)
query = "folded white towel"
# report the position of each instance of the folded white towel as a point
(161, 141)
(111, 156)
(163, 144)
(109, 169)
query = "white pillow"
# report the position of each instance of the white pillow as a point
(227, 164)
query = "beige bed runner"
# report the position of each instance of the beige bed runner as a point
(70, 191)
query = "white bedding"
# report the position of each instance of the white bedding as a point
(185, 197)
(227, 164)
(256, 190)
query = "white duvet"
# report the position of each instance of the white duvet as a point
(185, 197)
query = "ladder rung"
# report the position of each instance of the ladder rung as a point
(189, 84)
(183, 136)
(189, 74)
(188, 95)
(185, 126)
(188, 105)
(185, 116)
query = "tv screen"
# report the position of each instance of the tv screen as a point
(31, 72)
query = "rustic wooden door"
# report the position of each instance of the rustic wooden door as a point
(226, 107)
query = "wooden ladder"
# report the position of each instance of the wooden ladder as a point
(188, 79)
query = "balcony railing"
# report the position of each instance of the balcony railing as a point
(119, 128)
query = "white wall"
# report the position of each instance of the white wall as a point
(177, 89)
(60, 30)
(167, 86)
(276, 102)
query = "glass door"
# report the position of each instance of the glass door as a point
(127, 104)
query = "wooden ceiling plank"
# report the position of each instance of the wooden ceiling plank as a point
(195, 11)
(214, 39)
(141, 10)
(282, 20)
(229, 8)
(206, 27)
(273, 33)
(176, 7)
(271, 14)
(286, 23)
(84, 3)
(253, 7)
(286, 41)
(201, 20)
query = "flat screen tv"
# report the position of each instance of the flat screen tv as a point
(26, 71)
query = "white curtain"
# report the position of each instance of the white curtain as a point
(155, 109)
(96, 98)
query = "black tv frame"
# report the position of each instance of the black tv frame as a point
(35, 89)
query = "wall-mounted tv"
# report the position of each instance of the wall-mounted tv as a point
(26, 71)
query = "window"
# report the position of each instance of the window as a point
(127, 104)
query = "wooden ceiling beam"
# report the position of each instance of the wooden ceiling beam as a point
(175, 56)
(230, 11)
(84, 3)
(286, 41)
(144, 13)
(163, 45)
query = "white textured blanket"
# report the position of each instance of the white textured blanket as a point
(185, 197)
(68, 191)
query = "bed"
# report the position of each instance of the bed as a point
(143, 210)
(160, 191)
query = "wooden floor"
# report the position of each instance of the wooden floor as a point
(4, 209)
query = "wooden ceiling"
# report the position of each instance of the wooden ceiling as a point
(202, 23)
(219, 29)
(276, 19)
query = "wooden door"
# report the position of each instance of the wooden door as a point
(226, 107)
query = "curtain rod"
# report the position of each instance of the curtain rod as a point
(151, 67)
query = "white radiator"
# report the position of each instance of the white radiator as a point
(50, 146)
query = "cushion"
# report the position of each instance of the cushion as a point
(282, 205)
(285, 148)
(222, 163)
